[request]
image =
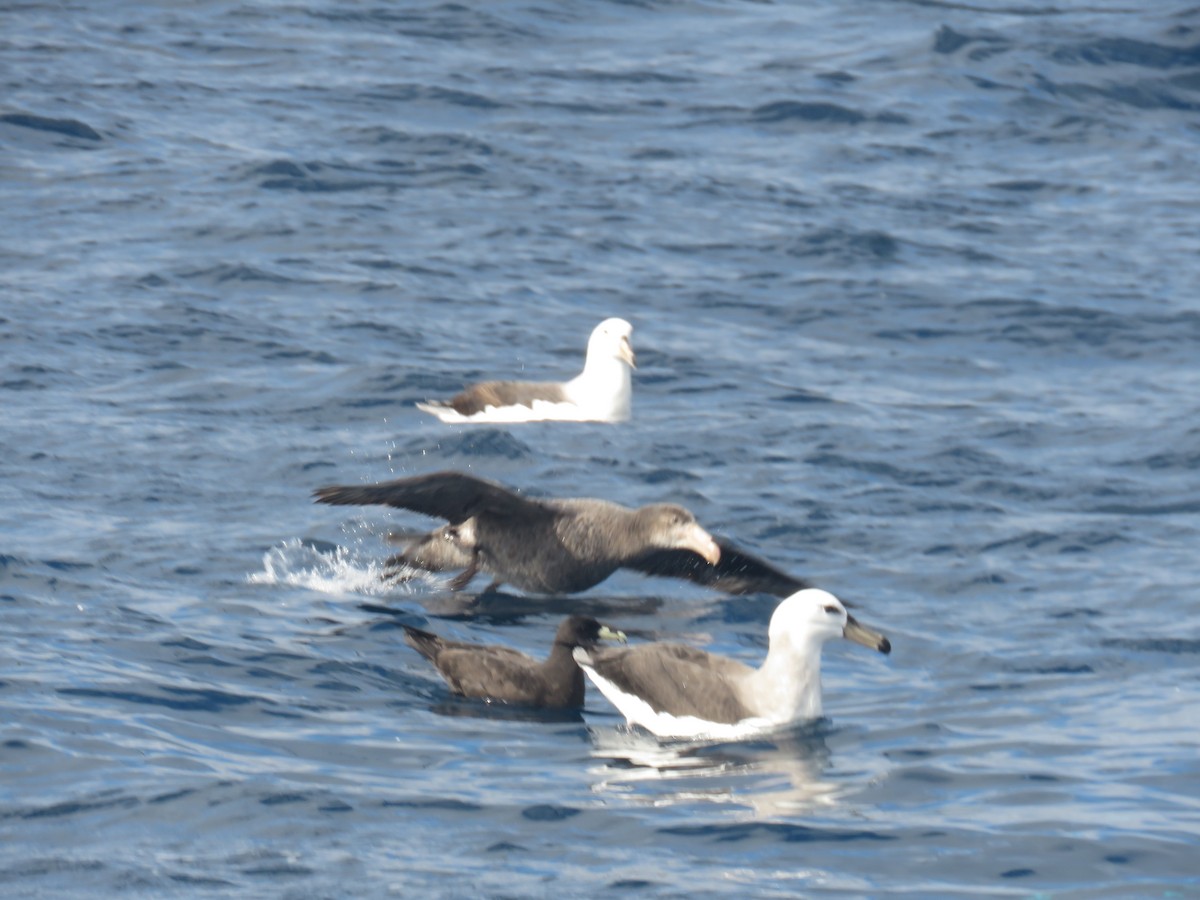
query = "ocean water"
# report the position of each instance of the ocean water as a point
(915, 295)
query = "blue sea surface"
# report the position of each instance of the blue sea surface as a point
(915, 289)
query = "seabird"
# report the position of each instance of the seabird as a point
(492, 672)
(674, 690)
(600, 393)
(555, 546)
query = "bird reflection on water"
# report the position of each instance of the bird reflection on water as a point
(774, 776)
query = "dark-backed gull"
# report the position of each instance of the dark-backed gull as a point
(675, 690)
(600, 393)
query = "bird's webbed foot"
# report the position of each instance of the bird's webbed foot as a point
(463, 578)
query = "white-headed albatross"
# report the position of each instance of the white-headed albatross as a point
(600, 393)
(555, 546)
(492, 672)
(678, 691)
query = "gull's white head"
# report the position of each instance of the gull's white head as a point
(814, 615)
(604, 389)
(611, 339)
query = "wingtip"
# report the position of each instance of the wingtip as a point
(326, 494)
(424, 642)
(340, 495)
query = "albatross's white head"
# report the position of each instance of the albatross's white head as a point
(610, 340)
(787, 688)
(604, 388)
(812, 616)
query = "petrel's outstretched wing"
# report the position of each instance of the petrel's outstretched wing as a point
(736, 572)
(453, 496)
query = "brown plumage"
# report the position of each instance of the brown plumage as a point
(557, 546)
(478, 397)
(492, 672)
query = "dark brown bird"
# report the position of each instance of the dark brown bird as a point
(492, 672)
(556, 546)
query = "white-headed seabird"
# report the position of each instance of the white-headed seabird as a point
(492, 672)
(556, 546)
(600, 393)
(674, 690)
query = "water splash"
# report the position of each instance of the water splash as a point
(330, 569)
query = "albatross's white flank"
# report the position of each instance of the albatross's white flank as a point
(602, 392)
(678, 691)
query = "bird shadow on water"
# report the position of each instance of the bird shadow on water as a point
(775, 776)
(471, 708)
(502, 608)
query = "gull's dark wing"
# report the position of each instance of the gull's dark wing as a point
(478, 397)
(737, 572)
(454, 496)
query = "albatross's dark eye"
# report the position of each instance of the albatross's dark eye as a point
(831, 609)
